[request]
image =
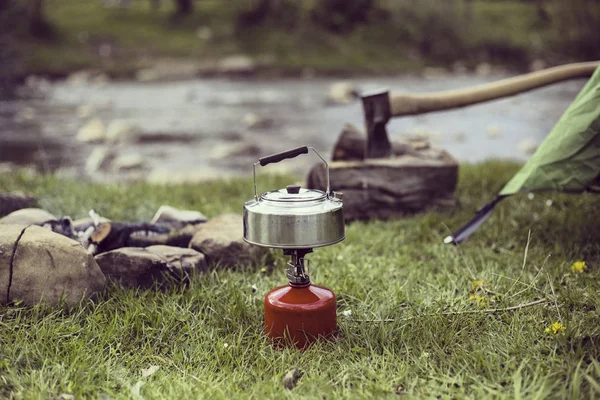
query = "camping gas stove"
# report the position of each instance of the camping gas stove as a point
(296, 220)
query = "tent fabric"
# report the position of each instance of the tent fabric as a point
(569, 158)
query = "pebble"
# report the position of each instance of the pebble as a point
(171, 215)
(493, 132)
(127, 162)
(121, 131)
(342, 93)
(236, 64)
(93, 131)
(528, 145)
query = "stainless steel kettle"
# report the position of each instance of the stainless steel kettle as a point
(293, 217)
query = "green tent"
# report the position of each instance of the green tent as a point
(568, 160)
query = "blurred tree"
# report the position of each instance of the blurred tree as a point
(283, 13)
(154, 5)
(342, 16)
(38, 25)
(577, 25)
(182, 8)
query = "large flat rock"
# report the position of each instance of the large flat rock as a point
(37, 264)
(222, 241)
(144, 267)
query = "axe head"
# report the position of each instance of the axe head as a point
(376, 105)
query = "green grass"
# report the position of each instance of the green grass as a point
(430, 33)
(412, 328)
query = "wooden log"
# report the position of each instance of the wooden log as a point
(390, 188)
(351, 145)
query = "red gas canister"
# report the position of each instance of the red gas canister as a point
(300, 314)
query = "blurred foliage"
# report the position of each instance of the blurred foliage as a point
(578, 27)
(284, 14)
(341, 16)
(435, 29)
(324, 36)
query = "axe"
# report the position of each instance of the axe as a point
(381, 105)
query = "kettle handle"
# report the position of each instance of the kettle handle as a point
(263, 161)
(275, 158)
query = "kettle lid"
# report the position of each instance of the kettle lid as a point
(293, 194)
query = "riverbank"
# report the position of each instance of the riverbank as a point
(401, 37)
(504, 315)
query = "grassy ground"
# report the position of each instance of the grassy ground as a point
(504, 32)
(414, 327)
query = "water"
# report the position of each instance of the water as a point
(209, 115)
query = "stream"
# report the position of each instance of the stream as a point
(196, 129)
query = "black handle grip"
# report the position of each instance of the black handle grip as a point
(274, 158)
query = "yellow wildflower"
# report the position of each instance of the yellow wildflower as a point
(479, 299)
(578, 266)
(479, 283)
(555, 328)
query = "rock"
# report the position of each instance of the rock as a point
(26, 114)
(147, 75)
(239, 64)
(141, 268)
(177, 218)
(255, 121)
(493, 132)
(28, 216)
(537, 65)
(483, 69)
(99, 159)
(459, 68)
(101, 80)
(182, 260)
(13, 201)
(92, 131)
(79, 78)
(204, 33)
(342, 93)
(38, 83)
(105, 50)
(121, 131)
(170, 70)
(221, 240)
(86, 111)
(434, 72)
(227, 150)
(528, 145)
(46, 267)
(128, 162)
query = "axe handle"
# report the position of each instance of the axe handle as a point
(411, 104)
